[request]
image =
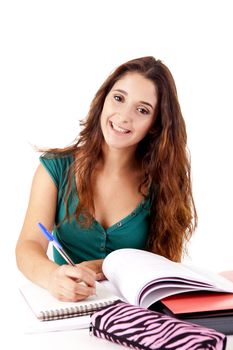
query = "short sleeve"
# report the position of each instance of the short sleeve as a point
(57, 167)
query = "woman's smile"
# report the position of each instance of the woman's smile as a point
(118, 129)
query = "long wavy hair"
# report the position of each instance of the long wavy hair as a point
(163, 154)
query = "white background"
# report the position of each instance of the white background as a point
(54, 56)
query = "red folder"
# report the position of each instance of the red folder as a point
(198, 302)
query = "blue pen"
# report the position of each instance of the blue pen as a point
(56, 244)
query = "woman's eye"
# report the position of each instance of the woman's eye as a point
(117, 98)
(143, 110)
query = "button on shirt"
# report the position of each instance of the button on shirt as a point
(93, 242)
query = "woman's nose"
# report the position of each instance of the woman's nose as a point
(125, 114)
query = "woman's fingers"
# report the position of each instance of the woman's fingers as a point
(96, 266)
(75, 291)
(72, 283)
(100, 276)
(81, 274)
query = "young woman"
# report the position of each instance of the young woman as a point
(125, 182)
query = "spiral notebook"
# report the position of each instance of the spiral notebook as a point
(46, 307)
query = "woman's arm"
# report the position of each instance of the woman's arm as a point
(31, 248)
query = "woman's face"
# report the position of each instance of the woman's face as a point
(129, 111)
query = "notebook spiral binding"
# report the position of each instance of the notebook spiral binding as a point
(80, 310)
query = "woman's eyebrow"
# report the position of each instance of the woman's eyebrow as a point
(125, 93)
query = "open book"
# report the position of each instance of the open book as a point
(143, 278)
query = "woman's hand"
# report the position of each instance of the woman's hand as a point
(72, 283)
(96, 266)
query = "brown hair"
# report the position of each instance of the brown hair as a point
(164, 156)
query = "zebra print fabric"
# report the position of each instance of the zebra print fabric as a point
(141, 329)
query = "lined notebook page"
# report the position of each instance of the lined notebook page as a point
(46, 307)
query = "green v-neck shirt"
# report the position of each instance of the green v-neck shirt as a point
(93, 242)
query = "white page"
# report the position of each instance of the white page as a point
(131, 269)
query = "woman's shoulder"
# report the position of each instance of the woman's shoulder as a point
(57, 158)
(57, 165)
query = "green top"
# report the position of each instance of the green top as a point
(94, 242)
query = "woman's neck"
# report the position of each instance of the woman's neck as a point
(119, 161)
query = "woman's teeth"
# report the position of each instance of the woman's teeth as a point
(119, 129)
